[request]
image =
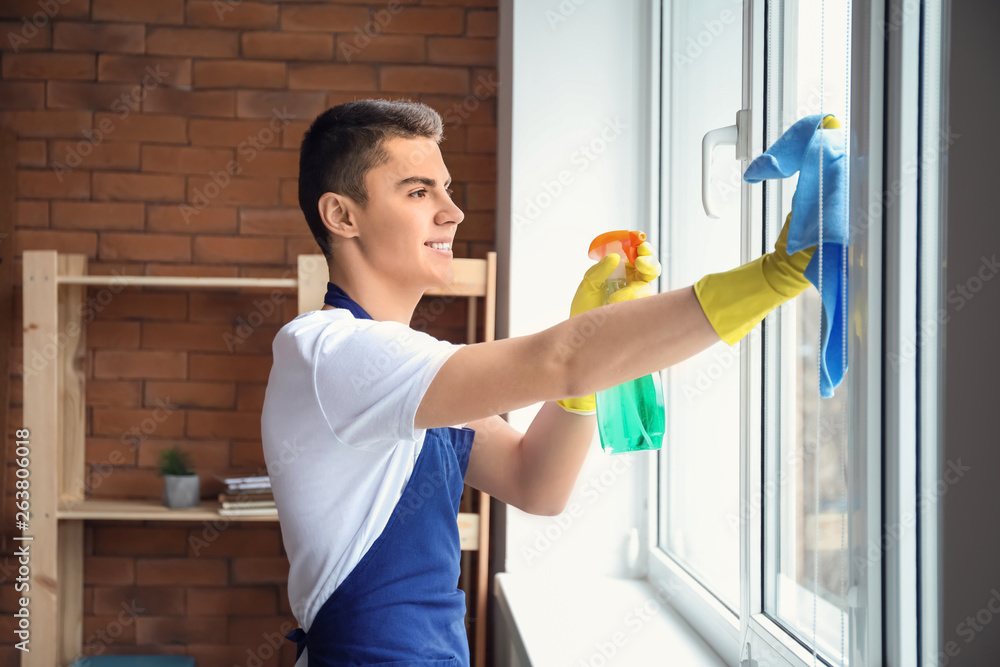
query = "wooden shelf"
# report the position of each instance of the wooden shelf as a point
(54, 289)
(468, 280)
(179, 281)
(208, 510)
(147, 510)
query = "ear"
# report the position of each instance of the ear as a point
(336, 210)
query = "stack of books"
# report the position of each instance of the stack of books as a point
(247, 496)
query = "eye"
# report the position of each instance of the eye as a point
(423, 192)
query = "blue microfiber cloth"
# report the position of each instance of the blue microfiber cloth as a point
(798, 150)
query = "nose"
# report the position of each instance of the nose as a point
(451, 213)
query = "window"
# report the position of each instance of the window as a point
(760, 499)
(805, 536)
(699, 501)
(696, 554)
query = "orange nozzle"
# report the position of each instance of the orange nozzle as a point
(629, 240)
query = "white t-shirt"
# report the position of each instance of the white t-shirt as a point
(339, 441)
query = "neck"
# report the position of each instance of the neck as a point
(382, 299)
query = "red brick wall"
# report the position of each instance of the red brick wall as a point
(127, 114)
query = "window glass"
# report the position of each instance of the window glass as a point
(699, 464)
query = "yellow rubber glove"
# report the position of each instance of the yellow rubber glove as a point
(735, 301)
(590, 294)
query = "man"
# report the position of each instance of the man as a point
(376, 426)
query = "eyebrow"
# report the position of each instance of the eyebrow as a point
(423, 180)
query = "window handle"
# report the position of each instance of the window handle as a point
(735, 135)
(749, 662)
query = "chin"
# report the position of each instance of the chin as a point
(437, 280)
(447, 280)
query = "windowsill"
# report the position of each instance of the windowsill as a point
(597, 620)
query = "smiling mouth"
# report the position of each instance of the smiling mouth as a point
(440, 247)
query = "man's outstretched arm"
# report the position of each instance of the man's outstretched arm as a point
(583, 355)
(536, 471)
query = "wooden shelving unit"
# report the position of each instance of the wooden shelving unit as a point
(141, 510)
(54, 287)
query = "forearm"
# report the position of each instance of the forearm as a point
(601, 349)
(622, 341)
(552, 452)
(575, 357)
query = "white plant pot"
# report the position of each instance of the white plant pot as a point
(181, 491)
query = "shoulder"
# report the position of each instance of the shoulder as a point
(323, 330)
(316, 319)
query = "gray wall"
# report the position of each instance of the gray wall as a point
(971, 530)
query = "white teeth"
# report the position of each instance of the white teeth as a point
(440, 246)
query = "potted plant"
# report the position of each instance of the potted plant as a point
(180, 483)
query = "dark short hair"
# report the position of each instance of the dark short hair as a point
(345, 142)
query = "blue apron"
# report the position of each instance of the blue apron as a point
(401, 604)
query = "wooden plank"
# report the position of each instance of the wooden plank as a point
(483, 563)
(8, 159)
(149, 510)
(470, 321)
(466, 283)
(196, 282)
(208, 510)
(41, 416)
(72, 383)
(490, 309)
(482, 577)
(313, 275)
(70, 591)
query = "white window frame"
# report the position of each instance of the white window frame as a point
(885, 99)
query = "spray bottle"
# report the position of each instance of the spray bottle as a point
(630, 416)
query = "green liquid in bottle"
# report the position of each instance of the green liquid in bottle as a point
(630, 416)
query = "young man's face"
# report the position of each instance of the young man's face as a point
(410, 206)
